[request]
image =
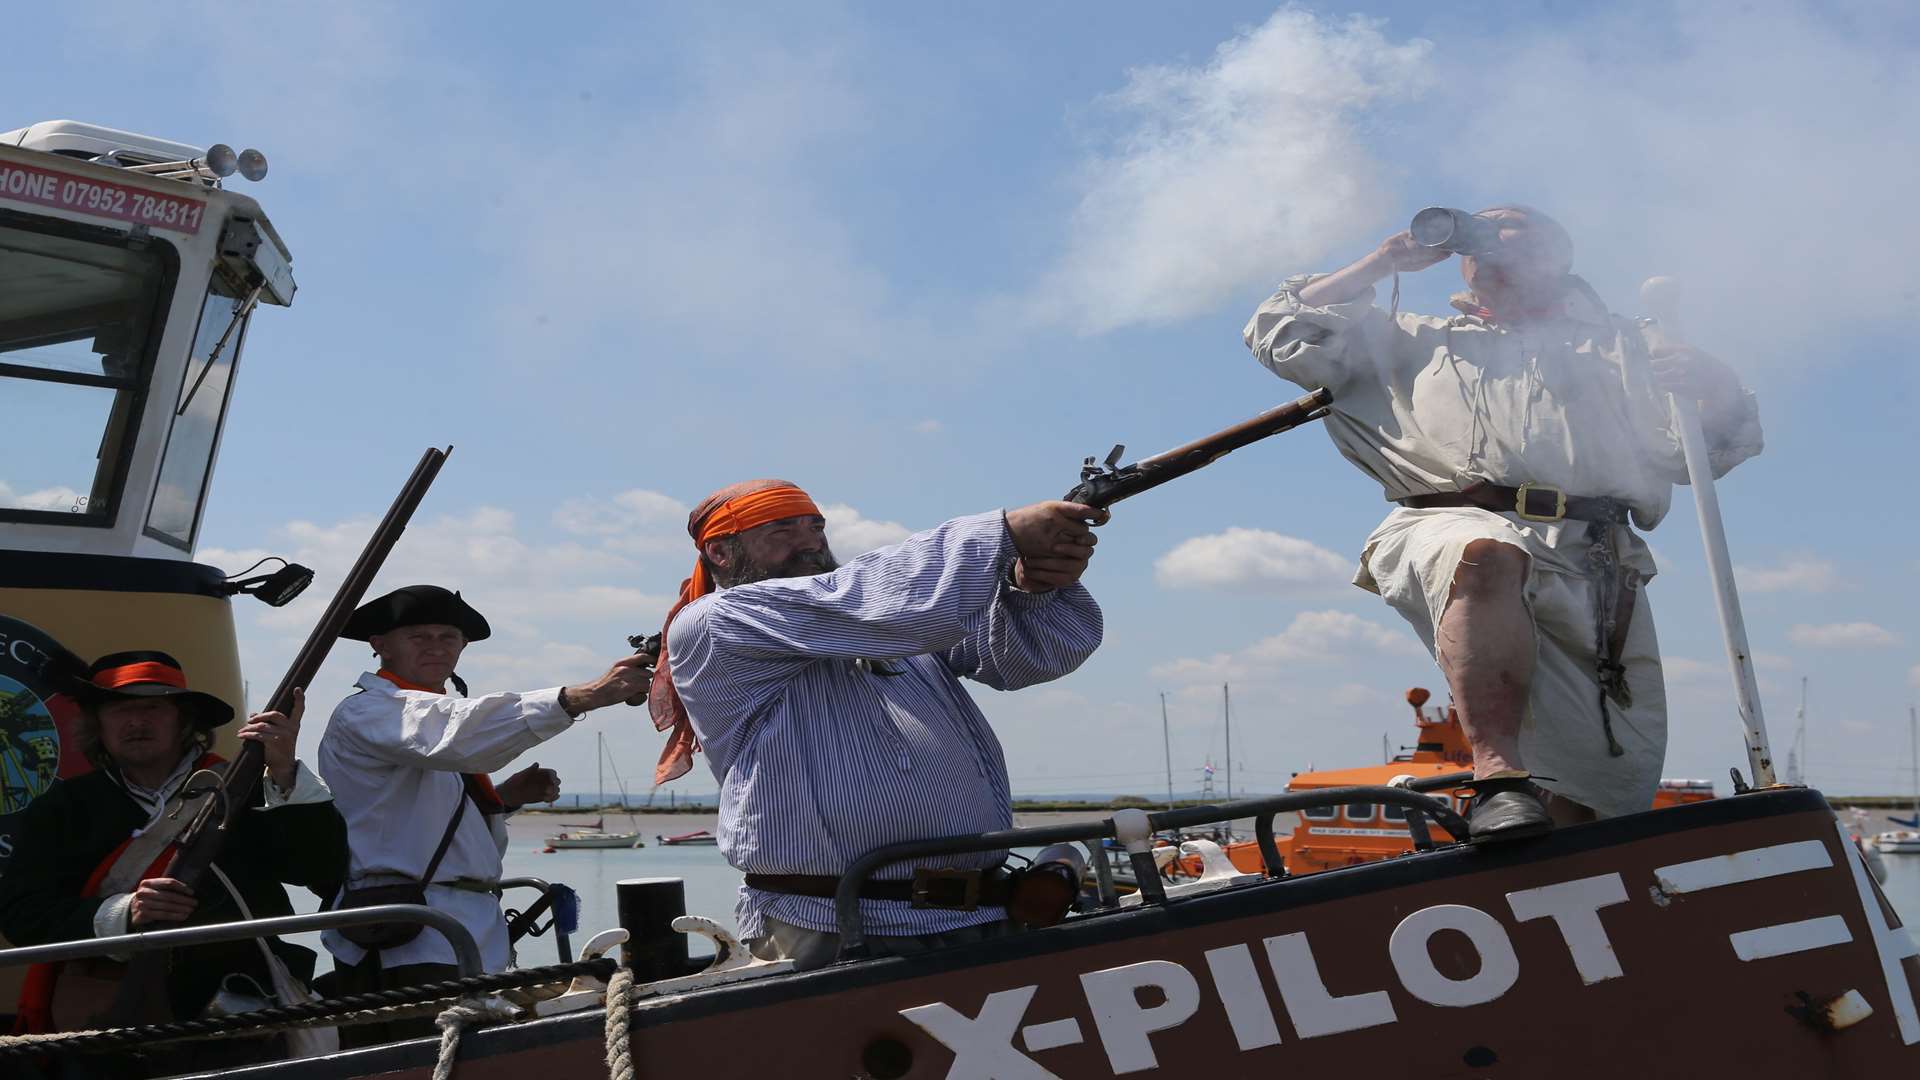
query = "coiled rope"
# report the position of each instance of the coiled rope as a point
(350, 1008)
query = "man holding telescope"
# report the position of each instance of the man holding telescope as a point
(1523, 439)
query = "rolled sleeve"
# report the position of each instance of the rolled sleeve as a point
(1730, 443)
(110, 919)
(307, 788)
(1308, 345)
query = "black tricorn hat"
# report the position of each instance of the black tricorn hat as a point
(147, 673)
(412, 606)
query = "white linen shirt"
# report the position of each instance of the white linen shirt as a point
(1425, 404)
(393, 758)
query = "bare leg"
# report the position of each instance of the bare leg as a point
(1485, 645)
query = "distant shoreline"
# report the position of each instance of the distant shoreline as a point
(1041, 806)
(1024, 806)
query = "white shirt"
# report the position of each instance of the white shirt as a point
(393, 758)
(1428, 404)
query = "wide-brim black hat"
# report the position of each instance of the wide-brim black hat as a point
(145, 674)
(414, 606)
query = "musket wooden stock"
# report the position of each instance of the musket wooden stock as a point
(141, 996)
(1104, 487)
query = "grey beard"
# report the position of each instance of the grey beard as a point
(799, 564)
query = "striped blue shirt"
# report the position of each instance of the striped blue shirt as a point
(821, 759)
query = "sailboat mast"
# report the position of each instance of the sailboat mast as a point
(1226, 706)
(1913, 748)
(600, 759)
(1166, 743)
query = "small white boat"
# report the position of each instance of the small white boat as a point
(595, 838)
(1898, 842)
(595, 835)
(1906, 841)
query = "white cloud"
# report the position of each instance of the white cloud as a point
(53, 498)
(630, 511)
(1702, 118)
(1242, 558)
(850, 534)
(1223, 171)
(1852, 635)
(1681, 669)
(1312, 637)
(1804, 573)
(1913, 676)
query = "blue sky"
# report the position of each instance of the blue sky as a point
(923, 260)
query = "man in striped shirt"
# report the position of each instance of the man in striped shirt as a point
(828, 700)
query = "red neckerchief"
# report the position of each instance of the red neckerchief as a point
(479, 786)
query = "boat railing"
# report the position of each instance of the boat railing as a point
(521, 923)
(465, 952)
(853, 944)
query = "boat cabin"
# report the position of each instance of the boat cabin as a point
(129, 276)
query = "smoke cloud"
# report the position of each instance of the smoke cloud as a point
(1227, 172)
(1765, 157)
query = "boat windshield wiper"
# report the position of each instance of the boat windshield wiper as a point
(241, 310)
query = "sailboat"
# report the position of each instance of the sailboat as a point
(595, 836)
(1906, 841)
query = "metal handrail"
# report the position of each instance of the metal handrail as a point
(846, 899)
(560, 939)
(466, 953)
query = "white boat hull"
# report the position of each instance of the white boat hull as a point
(591, 840)
(1898, 843)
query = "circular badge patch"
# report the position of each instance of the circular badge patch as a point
(29, 746)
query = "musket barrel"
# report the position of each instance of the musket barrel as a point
(1104, 488)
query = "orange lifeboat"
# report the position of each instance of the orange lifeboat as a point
(1327, 837)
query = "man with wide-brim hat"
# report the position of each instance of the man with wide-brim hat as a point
(408, 762)
(91, 855)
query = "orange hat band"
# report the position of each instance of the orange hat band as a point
(144, 672)
(751, 511)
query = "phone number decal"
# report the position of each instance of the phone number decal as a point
(101, 198)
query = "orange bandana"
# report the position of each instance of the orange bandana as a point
(726, 512)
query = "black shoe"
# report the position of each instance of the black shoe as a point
(1506, 808)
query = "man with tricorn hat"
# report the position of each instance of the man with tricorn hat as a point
(828, 702)
(408, 763)
(1520, 437)
(94, 849)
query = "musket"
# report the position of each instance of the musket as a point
(1102, 485)
(142, 990)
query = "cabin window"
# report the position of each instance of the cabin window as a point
(1320, 813)
(1360, 811)
(187, 464)
(1393, 812)
(80, 312)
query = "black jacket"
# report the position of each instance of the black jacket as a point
(75, 823)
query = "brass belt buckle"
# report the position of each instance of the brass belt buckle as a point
(1559, 502)
(937, 887)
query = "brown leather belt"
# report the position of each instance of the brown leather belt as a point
(930, 887)
(1534, 502)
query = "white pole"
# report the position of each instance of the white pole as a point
(1226, 707)
(1166, 744)
(1662, 295)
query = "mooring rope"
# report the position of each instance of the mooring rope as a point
(454, 1020)
(620, 1025)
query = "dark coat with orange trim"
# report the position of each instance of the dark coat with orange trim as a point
(76, 823)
